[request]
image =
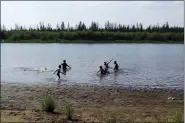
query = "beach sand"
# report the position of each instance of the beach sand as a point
(22, 103)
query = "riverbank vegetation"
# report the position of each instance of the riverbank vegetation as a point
(110, 33)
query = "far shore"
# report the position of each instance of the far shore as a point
(94, 41)
(22, 103)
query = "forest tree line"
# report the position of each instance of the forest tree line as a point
(110, 31)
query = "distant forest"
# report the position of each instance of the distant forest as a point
(110, 32)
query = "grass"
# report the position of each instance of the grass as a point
(68, 111)
(48, 104)
(92, 41)
(179, 117)
(176, 117)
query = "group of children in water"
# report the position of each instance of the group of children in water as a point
(105, 71)
(102, 71)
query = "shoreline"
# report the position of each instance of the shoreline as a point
(90, 103)
(95, 42)
(136, 88)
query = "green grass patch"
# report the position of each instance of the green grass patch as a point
(68, 111)
(48, 104)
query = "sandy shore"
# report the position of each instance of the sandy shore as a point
(21, 103)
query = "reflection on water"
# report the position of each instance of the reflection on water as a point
(141, 65)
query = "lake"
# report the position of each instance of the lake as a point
(142, 65)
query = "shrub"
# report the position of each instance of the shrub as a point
(48, 104)
(14, 37)
(68, 112)
(44, 36)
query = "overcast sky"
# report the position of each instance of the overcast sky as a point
(125, 12)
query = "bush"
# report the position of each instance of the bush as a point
(44, 36)
(48, 104)
(27, 36)
(16, 35)
(68, 112)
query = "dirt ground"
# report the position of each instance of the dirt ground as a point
(22, 103)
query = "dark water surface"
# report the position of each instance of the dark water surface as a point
(142, 65)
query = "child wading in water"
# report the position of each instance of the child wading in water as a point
(58, 72)
(102, 71)
(107, 66)
(64, 66)
(116, 68)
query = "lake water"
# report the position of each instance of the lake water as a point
(142, 65)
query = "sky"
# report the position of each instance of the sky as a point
(30, 13)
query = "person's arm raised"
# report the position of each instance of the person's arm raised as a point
(110, 61)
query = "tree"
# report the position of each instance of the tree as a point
(80, 28)
(148, 28)
(49, 28)
(83, 26)
(141, 27)
(58, 27)
(38, 28)
(63, 26)
(3, 28)
(94, 26)
(16, 27)
(68, 27)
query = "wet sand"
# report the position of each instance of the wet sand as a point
(22, 103)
